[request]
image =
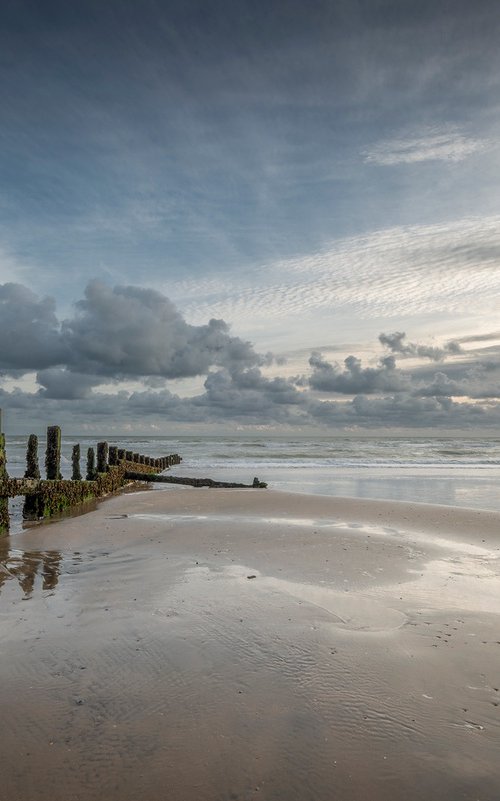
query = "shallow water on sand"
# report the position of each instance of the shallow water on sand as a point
(171, 659)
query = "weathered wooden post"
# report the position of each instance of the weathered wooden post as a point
(4, 500)
(113, 455)
(91, 471)
(31, 503)
(129, 456)
(102, 457)
(53, 453)
(32, 467)
(75, 463)
(136, 458)
(122, 455)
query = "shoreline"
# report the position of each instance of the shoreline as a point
(229, 643)
(414, 514)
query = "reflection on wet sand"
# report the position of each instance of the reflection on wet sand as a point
(199, 647)
(25, 566)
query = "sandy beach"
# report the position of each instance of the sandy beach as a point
(227, 645)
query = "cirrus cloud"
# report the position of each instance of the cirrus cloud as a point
(446, 143)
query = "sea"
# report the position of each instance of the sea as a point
(450, 471)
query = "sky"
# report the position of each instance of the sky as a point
(250, 216)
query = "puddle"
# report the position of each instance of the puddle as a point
(29, 568)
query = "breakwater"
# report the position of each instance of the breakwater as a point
(107, 469)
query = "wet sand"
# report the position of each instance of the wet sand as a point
(230, 645)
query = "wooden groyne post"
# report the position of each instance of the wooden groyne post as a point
(32, 502)
(76, 474)
(46, 497)
(53, 454)
(4, 500)
(114, 469)
(102, 457)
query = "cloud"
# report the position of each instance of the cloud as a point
(30, 336)
(124, 332)
(406, 412)
(432, 144)
(447, 268)
(128, 334)
(396, 343)
(476, 375)
(253, 400)
(64, 384)
(443, 386)
(130, 331)
(486, 337)
(355, 379)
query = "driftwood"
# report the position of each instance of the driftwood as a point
(193, 482)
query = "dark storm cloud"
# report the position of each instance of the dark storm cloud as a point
(130, 331)
(397, 343)
(124, 332)
(29, 331)
(64, 384)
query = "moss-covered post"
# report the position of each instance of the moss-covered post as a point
(113, 455)
(75, 464)
(32, 467)
(4, 501)
(91, 471)
(53, 453)
(102, 457)
(31, 505)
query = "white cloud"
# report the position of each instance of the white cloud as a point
(446, 269)
(433, 144)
